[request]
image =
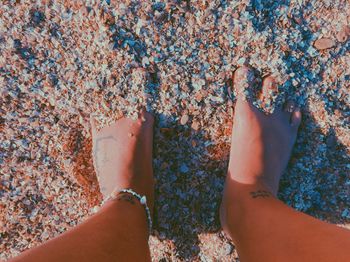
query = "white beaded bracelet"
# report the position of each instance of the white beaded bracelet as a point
(142, 199)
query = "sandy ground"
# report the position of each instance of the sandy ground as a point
(60, 62)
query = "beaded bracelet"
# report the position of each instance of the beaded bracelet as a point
(142, 199)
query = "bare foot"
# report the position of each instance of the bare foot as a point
(122, 154)
(261, 144)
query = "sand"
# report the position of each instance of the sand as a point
(62, 61)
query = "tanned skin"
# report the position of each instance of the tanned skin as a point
(262, 227)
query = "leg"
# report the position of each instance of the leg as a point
(263, 228)
(119, 231)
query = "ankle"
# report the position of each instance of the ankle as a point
(268, 182)
(242, 191)
(240, 203)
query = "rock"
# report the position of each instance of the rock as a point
(324, 43)
(194, 143)
(195, 125)
(37, 17)
(343, 34)
(228, 249)
(184, 119)
(184, 168)
(145, 61)
(45, 235)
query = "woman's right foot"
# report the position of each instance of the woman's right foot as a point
(123, 156)
(261, 144)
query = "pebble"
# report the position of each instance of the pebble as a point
(145, 61)
(184, 119)
(45, 235)
(228, 249)
(184, 168)
(195, 125)
(324, 43)
(343, 34)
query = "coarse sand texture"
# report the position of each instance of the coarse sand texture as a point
(61, 61)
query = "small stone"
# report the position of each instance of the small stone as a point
(195, 125)
(184, 168)
(345, 213)
(45, 235)
(343, 34)
(324, 43)
(95, 209)
(184, 119)
(162, 236)
(145, 61)
(194, 143)
(241, 61)
(37, 17)
(228, 249)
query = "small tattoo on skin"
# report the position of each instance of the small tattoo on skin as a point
(97, 160)
(260, 193)
(127, 198)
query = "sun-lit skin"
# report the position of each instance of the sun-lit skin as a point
(262, 227)
(261, 144)
(125, 147)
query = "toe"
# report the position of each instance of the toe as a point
(268, 88)
(288, 109)
(243, 79)
(295, 119)
(93, 125)
(146, 119)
